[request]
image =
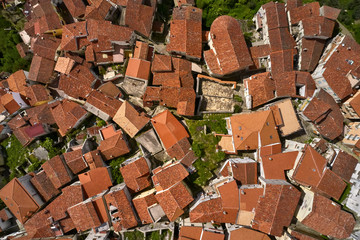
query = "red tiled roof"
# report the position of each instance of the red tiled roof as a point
(18, 200)
(125, 216)
(45, 46)
(9, 103)
(261, 87)
(276, 208)
(244, 172)
(168, 128)
(207, 211)
(37, 94)
(331, 185)
(287, 82)
(17, 82)
(344, 165)
(231, 53)
(140, 16)
(168, 175)
(141, 50)
(291, 4)
(275, 165)
(259, 52)
(75, 7)
(328, 218)
(230, 201)
(71, 34)
(329, 12)
(185, 32)
(318, 27)
(95, 181)
(310, 53)
(57, 172)
(275, 15)
(174, 200)
(281, 39)
(104, 103)
(243, 233)
(41, 69)
(44, 186)
(97, 10)
(114, 146)
(300, 13)
(282, 61)
(142, 204)
(136, 175)
(84, 216)
(75, 161)
(94, 159)
(138, 68)
(161, 63)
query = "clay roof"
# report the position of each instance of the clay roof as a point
(275, 15)
(45, 46)
(328, 218)
(9, 103)
(136, 175)
(168, 175)
(97, 10)
(168, 128)
(44, 186)
(174, 200)
(324, 111)
(104, 103)
(67, 115)
(230, 201)
(41, 69)
(42, 114)
(161, 63)
(110, 89)
(57, 171)
(75, 161)
(282, 61)
(17, 82)
(243, 233)
(95, 181)
(93, 159)
(64, 65)
(317, 26)
(311, 53)
(16, 122)
(75, 7)
(355, 103)
(182, 151)
(206, 211)
(244, 172)
(276, 208)
(344, 165)
(138, 68)
(37, 94)
(18, 200)
(246, 132)
(140, 16)
(142, 204)
(125, 214)
(291, 4)
(259, 52)
(287, 82)
(331, 185)
(23, 49)
(141, 50)
(185, 31)
(84, 216)
(329, 12)
(281, 39)
(129, 119)
(301, 236)
(230, 49)
(71, 35)
(114, 146)
(261, 87)
(275, 165)
(189, 232)
(300, 13)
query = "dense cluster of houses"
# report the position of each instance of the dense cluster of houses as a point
(99, 57)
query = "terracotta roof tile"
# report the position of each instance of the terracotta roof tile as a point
(45, 46)
(71, 34)
(124, 217)
(97, 10)
(185, 32)
(75, 161)
(110, 89)
(174, 200)
(41, 69)
(275, 165)
(141, 50)
(276, 208)
(261, 87)
(246, 233)
(244, 172)
(104, 103)
(329, 12)
(328, 218)
(259, 52)
(9, 103)
(57, 172)
(68, 115)
(140, 16)
(17, 82)
(344, 165)
(207, 211)
(230, 201)
(142, 205)
(114, 146)
(75, 7)
(190, 232)
(23, 49)
(84, 216)
(331, 185)
(161, 63)
(94, 159)
(287, 82)
(249, 197)
(18, 200)
(310, 54)
(230, 49)
(318, 27)
(95, 181)
(291, 4)
(129, 119)
(37, 94)
(64, 65)
(281, 39)
(276, 15)
(300, 13)
(282, 61)
(168, 175)
(138, 68)
(136, 175)
(44, 186)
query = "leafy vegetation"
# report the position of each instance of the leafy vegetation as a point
(157, 236)
(100, 122)
(345, 193)
(237, 98)
(10, 60)
(135, 235)
(115, 169)
(48, 144)
(204, 145)
(240, 9)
